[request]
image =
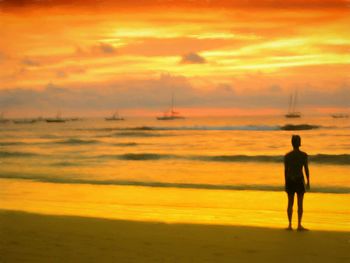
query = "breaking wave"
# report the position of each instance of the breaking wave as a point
(75, 141)
(141, 156)
(137, 134)
(212, 128)
(206, 128)
(341, 159)
(337, 159)
(194, 128)
(10, 154)
(315, 189)
(125, 144)
(65, 164)
(11, 143)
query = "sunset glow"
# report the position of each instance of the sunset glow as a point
(196, 49)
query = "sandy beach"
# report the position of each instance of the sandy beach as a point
(26, 237)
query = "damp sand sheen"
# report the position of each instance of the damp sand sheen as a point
(202, 175)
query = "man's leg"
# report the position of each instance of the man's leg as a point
(290, 209)
(300, 210)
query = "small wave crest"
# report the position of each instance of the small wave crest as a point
(49, 136)
(76, 141)
(196, 128)
(65, 164)
(10, 154)
(331, 159)
(208, 128)
(125, 144)
(137, 134)
(11, 143)
(140, 156)
(342, 159)
(239, 158)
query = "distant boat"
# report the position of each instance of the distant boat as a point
(25, 121)
(292, 113)
(298, 127)
(57, 119)
(75, 119)
(115, 117)
(171, 114)
(340, 115)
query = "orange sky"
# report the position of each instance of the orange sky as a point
(211, 54)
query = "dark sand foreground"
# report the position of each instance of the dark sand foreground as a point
(40, 238)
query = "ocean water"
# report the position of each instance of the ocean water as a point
(196, 164)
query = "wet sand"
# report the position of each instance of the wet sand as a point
(26, 237)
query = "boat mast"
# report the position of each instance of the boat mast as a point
(290, 103)
(295, 100)
(172, 103)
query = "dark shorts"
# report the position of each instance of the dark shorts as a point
(296, 185)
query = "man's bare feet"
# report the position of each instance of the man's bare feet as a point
(289, 228)
(301, 228)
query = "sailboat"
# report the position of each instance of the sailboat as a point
(24, 121)
(58, 118)
(292, 113)
(340, 115)
(115, 117)
(171, 114)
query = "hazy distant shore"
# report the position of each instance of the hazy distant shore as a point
(26, 237)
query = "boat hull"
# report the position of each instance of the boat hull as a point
(114, 119)
(340, 116)
(293, 115)
(55, 120)
(299, 127)
(169, 118)
(24, 121)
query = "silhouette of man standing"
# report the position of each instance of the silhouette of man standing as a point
(294, 162)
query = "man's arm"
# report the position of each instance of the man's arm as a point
(307, 173)
(285, 172)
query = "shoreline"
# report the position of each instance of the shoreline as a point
(172, 205)
(34, 237)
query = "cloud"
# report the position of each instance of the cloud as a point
(2, 56)
(91, 51)
(225, 87)
(105, 48)
(338, 49)
(111, 4)
(150, 93)
(275, 88)
(179, 45)
(30, 62)
(193, 58)
(155, 94)
(61, 74)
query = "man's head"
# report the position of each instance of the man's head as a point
(296, 141)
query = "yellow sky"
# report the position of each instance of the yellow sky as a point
(246, 48)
